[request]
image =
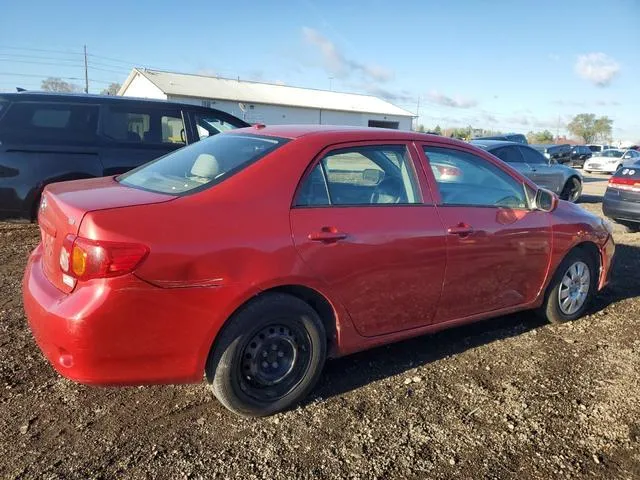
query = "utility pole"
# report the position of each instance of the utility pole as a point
(86, 72)
(330, 84)
(418, 113)
(558, 128)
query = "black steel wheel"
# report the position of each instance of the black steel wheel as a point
(572, 190)
(268, 356)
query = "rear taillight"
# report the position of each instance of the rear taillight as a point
(627, 184)
(83, 259)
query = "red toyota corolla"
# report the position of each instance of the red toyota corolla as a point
(256, 254)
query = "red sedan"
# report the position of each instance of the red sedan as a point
(256, 254)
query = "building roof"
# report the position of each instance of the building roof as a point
(201, 86)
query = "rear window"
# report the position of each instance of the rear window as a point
(201, 164)
(595, 148)
(35, 122)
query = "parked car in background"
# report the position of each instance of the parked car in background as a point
(507, 137)
(47, 137)
(598, 148)
(558, 153)
(215, 258)
(579, 155)
(622, 198)
(560, 179)
(611, 160)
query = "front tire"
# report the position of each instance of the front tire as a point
(572, 288)
(268, 357)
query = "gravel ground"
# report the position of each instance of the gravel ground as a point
(507, 398)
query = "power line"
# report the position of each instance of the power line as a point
(39, 50)
(77, 79)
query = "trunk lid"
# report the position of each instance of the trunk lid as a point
(64, 205)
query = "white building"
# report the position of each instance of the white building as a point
(267, 103)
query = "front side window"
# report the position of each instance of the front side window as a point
(361, 176)
(201, 164)
(473, 181)
(532, 156)
(508, 154)
(208, 125)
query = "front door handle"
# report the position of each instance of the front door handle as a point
(327, 235)
(461, 229)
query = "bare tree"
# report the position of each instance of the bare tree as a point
(112, 89)
(55, 84)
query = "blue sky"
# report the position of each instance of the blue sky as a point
(510, 65)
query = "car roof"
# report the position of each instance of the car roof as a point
(342, 133)
(491, 144)
(35, 96)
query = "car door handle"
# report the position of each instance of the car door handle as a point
(327, 235)
(461, 229)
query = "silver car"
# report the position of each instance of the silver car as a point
(561, 179)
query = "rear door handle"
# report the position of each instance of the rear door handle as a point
(461, 229)
(327, 235)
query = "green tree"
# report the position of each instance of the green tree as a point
(112, 89)
(590, 128)
(437, 130)
(420, 128)
(540, 137)
(55, 84)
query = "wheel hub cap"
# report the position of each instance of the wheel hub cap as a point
(574, 288)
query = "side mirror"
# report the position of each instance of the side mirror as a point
(545, 200)
(372, 176)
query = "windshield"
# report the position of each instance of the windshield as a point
(201, 164)
(612, 153)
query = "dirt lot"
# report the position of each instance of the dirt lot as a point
(507, 398)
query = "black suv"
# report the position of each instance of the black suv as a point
(580, 154)
(47, 138)
(557, 153)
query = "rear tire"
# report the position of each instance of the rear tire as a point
(571, 290)
(268, 356)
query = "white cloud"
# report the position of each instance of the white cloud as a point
(336, 63)
(597, 68)
(455, 102)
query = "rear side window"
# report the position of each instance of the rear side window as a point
(361, 176)
(125, 124)
(35, 122)
(201, 164)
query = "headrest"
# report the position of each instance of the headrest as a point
(206, 165)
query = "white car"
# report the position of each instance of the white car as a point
(609, 161)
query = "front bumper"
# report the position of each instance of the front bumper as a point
(123, 330)
(604, 168)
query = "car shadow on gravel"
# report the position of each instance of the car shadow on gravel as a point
(352, 372)
(625, 279)
(349, 373)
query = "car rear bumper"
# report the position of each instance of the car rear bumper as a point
(621, 209)
(123, 330)
(600, 168)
